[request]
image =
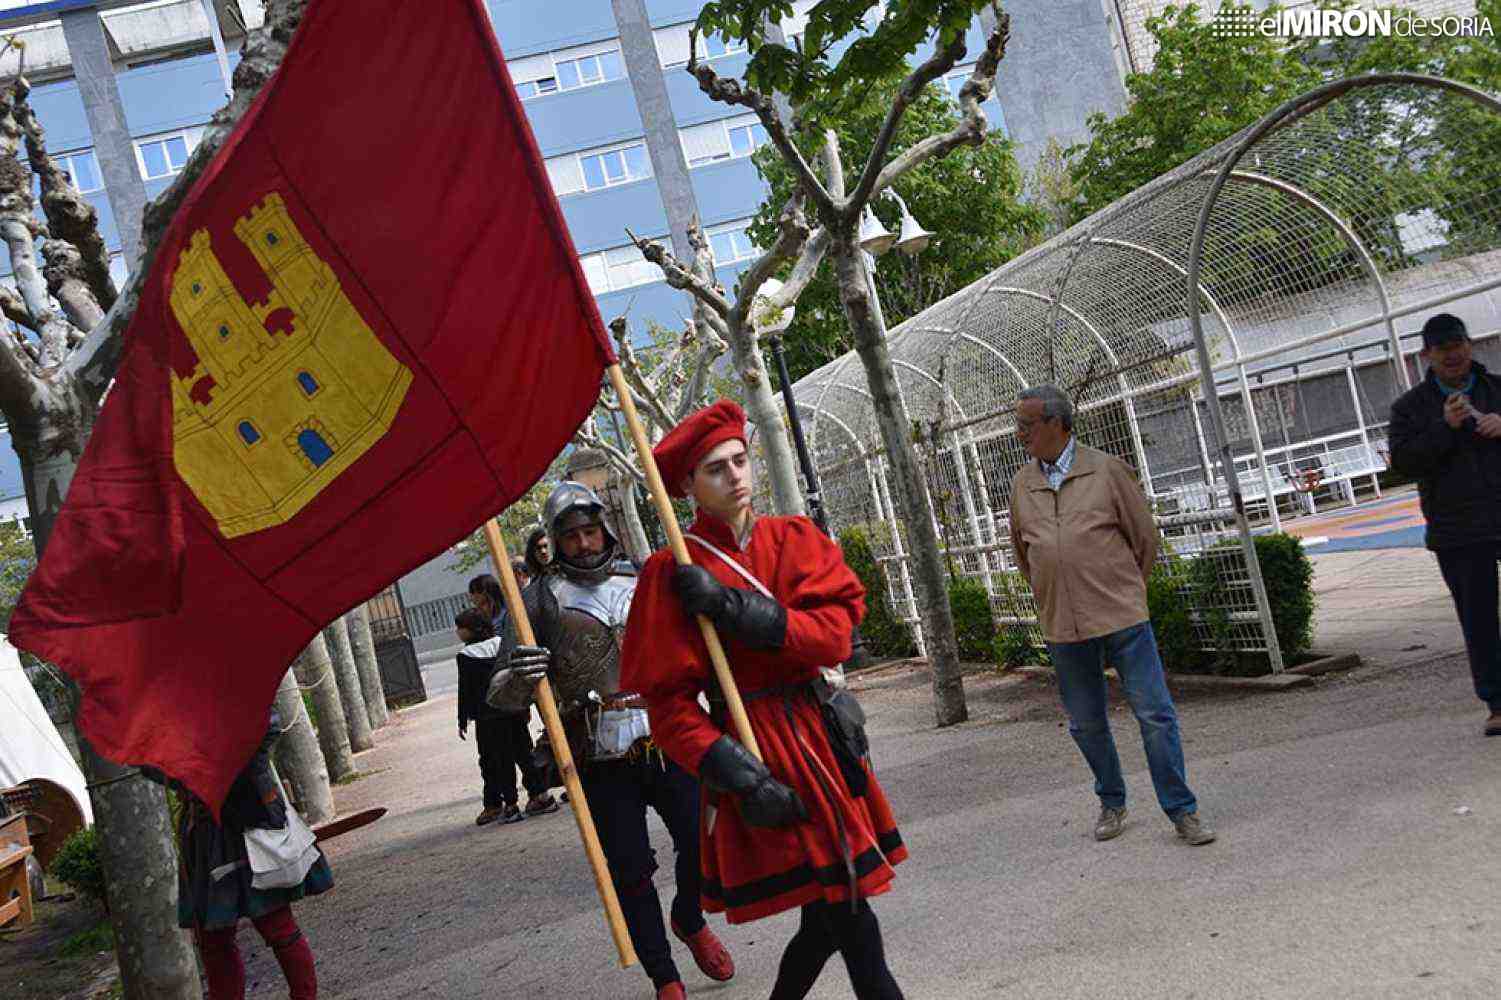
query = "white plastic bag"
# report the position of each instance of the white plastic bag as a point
(280, 859)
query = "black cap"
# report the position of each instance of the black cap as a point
(1443, 328)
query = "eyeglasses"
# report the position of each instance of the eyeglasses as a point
(1024, 426)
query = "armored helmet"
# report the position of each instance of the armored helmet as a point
(572, 505)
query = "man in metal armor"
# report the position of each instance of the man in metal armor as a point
(579, 615)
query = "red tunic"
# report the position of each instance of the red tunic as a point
(753, 872)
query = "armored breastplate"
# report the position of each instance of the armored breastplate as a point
(591, 624)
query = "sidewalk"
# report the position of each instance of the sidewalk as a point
(1388, 605)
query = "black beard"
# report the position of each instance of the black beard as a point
(589, 569)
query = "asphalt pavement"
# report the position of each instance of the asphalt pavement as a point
(1358, 823)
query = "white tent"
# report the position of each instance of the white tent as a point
(30, 745)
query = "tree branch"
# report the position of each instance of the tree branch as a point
(792, 236)
(972, 126)
(13, 308)
(69, 280)
(679, 277)
(803, 271)
(709, 351)
(734, 93)
(588, 436)
(940, 62)
(70, 216)
(642, 391)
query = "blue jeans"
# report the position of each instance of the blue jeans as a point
(1081, 680)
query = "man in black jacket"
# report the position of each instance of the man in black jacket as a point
(502, 738)
(1446, 434)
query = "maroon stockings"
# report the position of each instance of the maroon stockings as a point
(226, 973)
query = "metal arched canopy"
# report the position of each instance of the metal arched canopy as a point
(1287, 113)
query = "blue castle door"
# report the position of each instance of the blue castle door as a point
(314, 447)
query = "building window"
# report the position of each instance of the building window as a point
(536, 88)
(594, 169)
(166, 155)
(673, 43)
(83, 169)
(627, 268)
(248, 433)
(714, 46)
(567, 69)
(726, 139)
(314, 447)
(615, 166)
(308, 383)
(586, 71)
(620, 267)
(595, 272)
(732, 243)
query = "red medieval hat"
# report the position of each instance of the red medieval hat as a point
(687, 444)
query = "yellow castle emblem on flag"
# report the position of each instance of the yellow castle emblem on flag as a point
(287, 393)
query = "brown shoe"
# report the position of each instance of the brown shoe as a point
(1493, 724)
(488, 815)
(1110, 824)
(541, 805)
(1192, 830)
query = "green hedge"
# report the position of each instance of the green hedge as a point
(884, 635)
(974, 625)
(78, 865)
(1183, 589)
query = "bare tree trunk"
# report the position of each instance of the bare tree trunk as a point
(928, 572)
(298, 759)
(139, 854)
(362, 641)
(356, 718)
(315, 672)
(762, 409)
(637, 545)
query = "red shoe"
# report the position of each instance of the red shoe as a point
(672, 991)
(712, 956)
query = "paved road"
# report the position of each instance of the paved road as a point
(1343, 869)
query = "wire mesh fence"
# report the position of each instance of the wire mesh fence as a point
(1305, 251)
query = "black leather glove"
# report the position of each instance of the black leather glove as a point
(757, 621)
(764, 801)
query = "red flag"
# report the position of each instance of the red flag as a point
(366, 331)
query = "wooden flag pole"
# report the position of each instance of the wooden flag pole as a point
(669, 519)
(548, 706)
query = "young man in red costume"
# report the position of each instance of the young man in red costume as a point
(792, 831)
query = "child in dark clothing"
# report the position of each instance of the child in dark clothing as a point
(503, 741)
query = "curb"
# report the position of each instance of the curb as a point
(1209, 682)
(1327, 664)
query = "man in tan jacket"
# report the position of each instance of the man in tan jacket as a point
(1085, 539)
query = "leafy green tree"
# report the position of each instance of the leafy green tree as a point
(1201, 89)
(970, 199)
(17, 560)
